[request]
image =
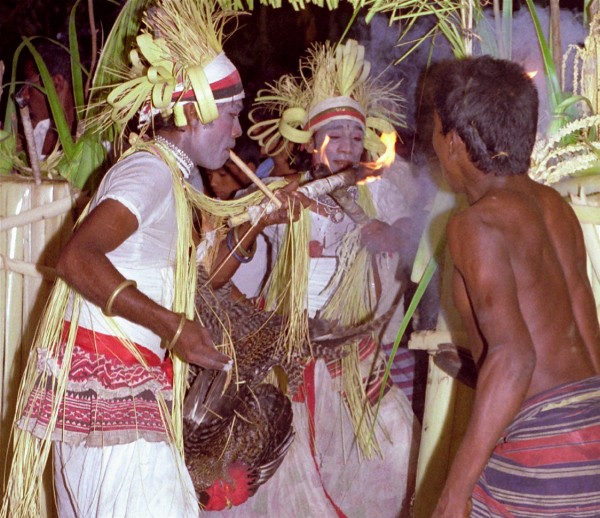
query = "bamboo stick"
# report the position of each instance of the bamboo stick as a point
(311, 190)
(257, 181)
(28, 131)
(50, 210)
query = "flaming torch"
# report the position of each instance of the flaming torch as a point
(385, 160)
(333, 184)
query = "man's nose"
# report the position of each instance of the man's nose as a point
(345, 145)
(237, 129)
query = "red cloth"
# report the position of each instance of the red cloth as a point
(110, 398)
(111, 347)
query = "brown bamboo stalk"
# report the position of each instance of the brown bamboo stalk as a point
(94, 36)
(556, 39)
(257, 181)
(311, 190)
(498, 25)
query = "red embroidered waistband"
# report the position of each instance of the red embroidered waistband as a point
(112, 347)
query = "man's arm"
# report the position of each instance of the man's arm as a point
(225, 263)
(481, 258)
(378, 236)
(84, 265)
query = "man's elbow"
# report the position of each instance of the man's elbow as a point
(67, 263)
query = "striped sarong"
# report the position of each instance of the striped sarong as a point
(548, 461)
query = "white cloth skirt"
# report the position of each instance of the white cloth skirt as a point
(136, 480)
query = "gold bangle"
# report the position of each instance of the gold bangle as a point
(171, 344)
(248, 254)
(108, 306)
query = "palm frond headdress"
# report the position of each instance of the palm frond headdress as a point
(334, 84)
(177, 59)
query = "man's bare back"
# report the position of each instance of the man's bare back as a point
(528, 239)
(521, 288)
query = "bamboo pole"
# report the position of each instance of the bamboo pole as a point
(26, 268)
(28, 131)
(28, 253)
(556, 38)
(311, 190)
(49, 210)
(257, 181)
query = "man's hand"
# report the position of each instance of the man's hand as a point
(195, 345)
(377, 237)
(291, 200)
(452, 507)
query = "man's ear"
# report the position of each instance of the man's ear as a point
(455, 143)
(191, 114)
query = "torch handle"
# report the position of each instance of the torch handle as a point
(310, 190)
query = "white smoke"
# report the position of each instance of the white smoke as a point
(382, 49)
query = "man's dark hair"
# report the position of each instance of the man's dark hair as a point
(56, 58)
(493, 106)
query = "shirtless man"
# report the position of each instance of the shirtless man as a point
(520, 285)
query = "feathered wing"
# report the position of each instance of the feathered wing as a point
(237, 427)
(254, 440)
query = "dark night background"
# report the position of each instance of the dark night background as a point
(267, 44)
(269, 41)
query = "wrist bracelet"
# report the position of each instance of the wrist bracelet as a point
(247, 254)
(169, 345)
(108, 306)
(234, 245)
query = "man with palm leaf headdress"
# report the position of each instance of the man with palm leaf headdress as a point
(324, 265)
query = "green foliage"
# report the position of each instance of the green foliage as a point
(8, 146)
(76, 68)
(56, 108)
(88, 157)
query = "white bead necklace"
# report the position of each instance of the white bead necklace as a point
(184, 161)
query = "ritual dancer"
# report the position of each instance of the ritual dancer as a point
(100, 386)
(334, 467)
(531, 445)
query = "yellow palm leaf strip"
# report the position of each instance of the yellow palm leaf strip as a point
(353, 302)
(229, 208)
(22, 498)
(357, 404)
(184, 281)
(287, 286)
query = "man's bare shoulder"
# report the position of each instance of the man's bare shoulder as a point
(473, 232)
(487, 213)
(495, 225)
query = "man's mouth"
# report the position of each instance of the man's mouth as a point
(340, 165)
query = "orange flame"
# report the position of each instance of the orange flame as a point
(322, 154)
(389, 155)
(532, 74)
(385, 160)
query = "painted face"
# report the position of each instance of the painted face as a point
(209, 144)
(345, 144)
